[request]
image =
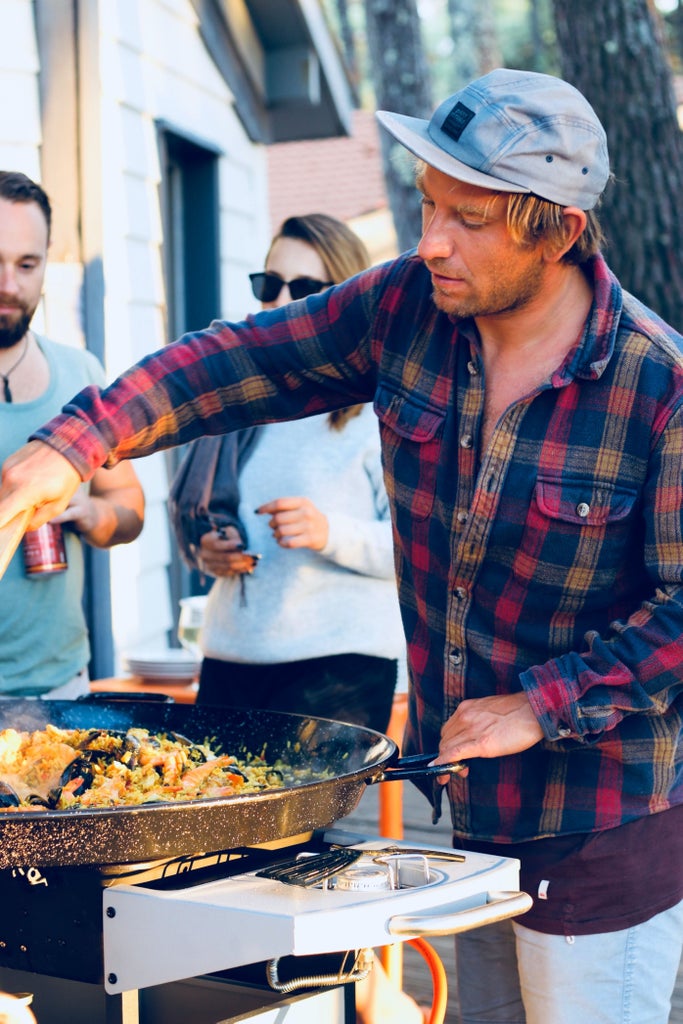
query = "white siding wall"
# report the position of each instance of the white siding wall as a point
(20, 132)
(154, 66)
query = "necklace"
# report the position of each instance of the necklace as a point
(5, 376)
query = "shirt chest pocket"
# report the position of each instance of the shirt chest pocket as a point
(583, 504)
(578, 536)
(411, 436)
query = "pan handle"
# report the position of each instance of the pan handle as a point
(498, 906)
(417, 767)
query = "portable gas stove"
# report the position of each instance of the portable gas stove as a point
(261, 923)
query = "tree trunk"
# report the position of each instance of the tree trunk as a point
(612, 53)
(675, 20)
(475, 46)
(401, 82)
(537, 48)
(348, 41)
(475, 49)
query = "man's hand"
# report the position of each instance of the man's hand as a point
(488, 727)
(81, 512)
(36, 477)
(296, 523)
(111, 511)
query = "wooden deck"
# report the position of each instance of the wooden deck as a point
(417, 828)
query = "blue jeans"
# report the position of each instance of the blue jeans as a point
(509, 974)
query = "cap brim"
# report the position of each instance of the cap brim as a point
(413, 133)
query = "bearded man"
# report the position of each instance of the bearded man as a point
(44, 647)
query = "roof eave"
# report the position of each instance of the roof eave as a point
(282, 65)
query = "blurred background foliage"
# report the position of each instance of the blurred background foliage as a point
(626, 56)
(524, 31)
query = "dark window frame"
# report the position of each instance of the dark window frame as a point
(190, 205)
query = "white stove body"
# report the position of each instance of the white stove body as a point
(153, 937)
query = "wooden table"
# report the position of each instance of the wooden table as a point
(182, 692)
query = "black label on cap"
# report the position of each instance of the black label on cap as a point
(456, 122)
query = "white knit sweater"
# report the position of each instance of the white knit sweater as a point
(302, 603)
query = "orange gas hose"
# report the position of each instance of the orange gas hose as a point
(439, 981)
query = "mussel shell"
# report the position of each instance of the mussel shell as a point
(8, 796)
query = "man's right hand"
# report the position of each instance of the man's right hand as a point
(36, 477)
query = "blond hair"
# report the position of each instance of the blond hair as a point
(531, 219)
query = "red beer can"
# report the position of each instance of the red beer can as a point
(45, 550)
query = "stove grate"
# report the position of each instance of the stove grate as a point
(308, 870)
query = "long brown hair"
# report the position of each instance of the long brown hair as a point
(343, 254)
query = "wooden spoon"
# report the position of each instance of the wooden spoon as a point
(10, 536)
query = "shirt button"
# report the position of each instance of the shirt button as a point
(456, 657)
(582, 509)
(466, 441)
(460, 593)
(472, 368)
(462, 517)
(564, 732)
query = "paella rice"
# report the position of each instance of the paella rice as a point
(59, 769)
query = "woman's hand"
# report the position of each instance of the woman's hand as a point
(296, 523)
(221, 554)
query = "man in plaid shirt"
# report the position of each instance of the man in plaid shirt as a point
(531, 415)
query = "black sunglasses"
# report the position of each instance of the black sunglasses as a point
(266, 287)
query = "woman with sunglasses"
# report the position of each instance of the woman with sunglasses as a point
(312, 626)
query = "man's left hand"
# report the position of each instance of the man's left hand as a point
(488, 727)
(81, 512)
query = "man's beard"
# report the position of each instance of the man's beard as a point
(12, 331)
(506, 296)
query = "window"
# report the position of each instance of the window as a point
(191, 224)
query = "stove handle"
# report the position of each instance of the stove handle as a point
(498, 906)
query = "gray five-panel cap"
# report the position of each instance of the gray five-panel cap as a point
(513, 131)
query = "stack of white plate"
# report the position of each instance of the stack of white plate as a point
(170, 664)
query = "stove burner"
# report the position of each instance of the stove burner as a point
(353, 870)
(363, 878)
(395, 871)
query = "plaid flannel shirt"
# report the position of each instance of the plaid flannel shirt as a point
(551, 562)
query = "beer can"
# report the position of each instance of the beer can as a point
(45, 550)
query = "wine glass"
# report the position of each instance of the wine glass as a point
(190, 624)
